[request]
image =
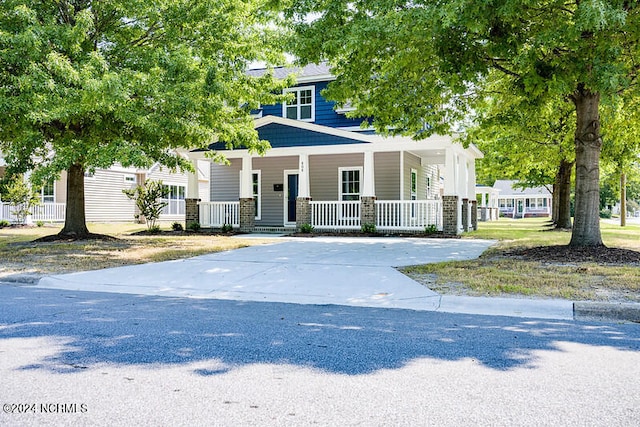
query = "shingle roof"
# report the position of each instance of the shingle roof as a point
(506, 188)
(310, 70)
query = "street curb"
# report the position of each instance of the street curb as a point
(21, 279)
(629, 312)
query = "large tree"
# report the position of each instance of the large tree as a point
(85, 84)
(412, 64)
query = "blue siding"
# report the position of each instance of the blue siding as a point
(281, 136)
(325, 113)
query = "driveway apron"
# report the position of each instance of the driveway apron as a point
(340, 270)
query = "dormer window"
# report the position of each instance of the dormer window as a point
(302, 107)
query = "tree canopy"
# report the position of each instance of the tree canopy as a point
(413, 65)
(86, 84)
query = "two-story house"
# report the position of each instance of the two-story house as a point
(326, 171)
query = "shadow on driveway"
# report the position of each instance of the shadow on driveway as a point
(106, 328)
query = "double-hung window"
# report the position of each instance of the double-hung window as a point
(47, 194)
(350, 183)
(174, 197)
(256, 185)
(350, 192)
(302, 106)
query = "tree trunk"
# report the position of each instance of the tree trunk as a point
(555, 197)
(586, 226)
(623, 199)
(75, 225)
(563, 180)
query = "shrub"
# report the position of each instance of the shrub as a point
(194, 226)
(40, 223)
(431, 229)
(605, 213)
(227, 228)
(154, 229)
(149, 201)
(4, 223)
(368, 228)
(306, 228)
(21, 198)
(176, 226)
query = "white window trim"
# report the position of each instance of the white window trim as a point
(259, 195)
(313, 102)
(344, 169)
(42, 194)
(258, 216)
(129, 175)
(177, 201)
(413, 192)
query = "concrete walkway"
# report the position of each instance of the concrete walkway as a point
(331, 270)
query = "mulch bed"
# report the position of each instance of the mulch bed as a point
(569, 254)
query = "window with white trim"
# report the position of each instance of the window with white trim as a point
(256, 182)
(174, 197)
(302, 106)
(414, 190)
(129, 178)
(48, 193)
(350, 183)
(256, 191)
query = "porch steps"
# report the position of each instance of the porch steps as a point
(274, 230)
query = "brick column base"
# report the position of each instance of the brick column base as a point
(247, 215)
(303, 212)
(367, 210)
(474, 215)
(465, 215)
(191, 212)
(450, 224)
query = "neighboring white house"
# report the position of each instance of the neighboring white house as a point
(521, 203)
(487, 198)
(104, 199)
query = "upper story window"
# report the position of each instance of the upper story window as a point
(302, 107)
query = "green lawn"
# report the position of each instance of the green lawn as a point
(495, 274)
(19, 255)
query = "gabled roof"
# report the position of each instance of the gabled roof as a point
(308, 73)
(506, 188)
(287, 133)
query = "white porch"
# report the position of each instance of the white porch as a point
(45, 212)
(346, 181)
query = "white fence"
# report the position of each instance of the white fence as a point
(218, 214)
(390, 215)
(47, 212)
(408, 214)
(335, 215)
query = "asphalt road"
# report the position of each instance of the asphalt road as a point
(88, 358)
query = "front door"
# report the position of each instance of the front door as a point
(292, 195)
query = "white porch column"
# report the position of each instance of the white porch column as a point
(471, 178)
(368, 185)
(193, 186)
(450, 173)
(246, 179)
(303, 176)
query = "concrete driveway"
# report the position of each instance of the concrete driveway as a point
(331, 270)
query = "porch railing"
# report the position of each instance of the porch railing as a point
(390, 215)
(336, 215)
(218, 214)
(408, 214)
(48, 212)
